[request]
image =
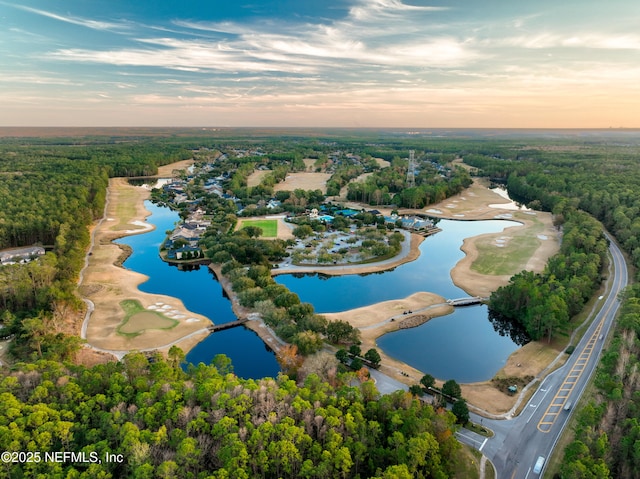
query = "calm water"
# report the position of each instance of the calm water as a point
(461, 346)
(201, 293)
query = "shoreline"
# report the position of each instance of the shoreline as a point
(255, 322)
(409, 253)
(462, 275)
(105, 284)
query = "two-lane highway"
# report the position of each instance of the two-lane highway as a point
(518, 442)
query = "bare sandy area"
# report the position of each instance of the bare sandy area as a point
(309, 164)
(305, 181)
(377, 319)
(382, 163)
(360, 179)
(255, 178)
(106, 284)
(167, 170)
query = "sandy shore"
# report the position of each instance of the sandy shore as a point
(381, 318)
(475, 203)
(106, 284)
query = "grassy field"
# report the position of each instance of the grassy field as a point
(512, 256)
(269, 227)
(138, 319)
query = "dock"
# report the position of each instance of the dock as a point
(229, 325)
(428, 231)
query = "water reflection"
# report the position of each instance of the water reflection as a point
(506, 327)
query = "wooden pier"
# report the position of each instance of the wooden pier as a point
(430, 230)
(229, 325)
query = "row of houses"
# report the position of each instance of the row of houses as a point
(20, 255)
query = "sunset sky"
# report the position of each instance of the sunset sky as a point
(339, 63)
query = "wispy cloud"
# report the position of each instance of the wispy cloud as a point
(380, 59)
(83, 22)
(305, 49)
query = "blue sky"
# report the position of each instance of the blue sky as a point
(343, 63)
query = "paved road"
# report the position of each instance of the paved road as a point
(518, 442)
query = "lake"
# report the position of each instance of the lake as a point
(201, 293)
(463, 345)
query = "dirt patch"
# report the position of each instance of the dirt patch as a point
(89, 357)
(382, 163)
(304, 181)
(359, 179)
(309, 164)
(255, 178)
(167, 170)
(530, 361)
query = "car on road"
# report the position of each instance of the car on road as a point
(537, 468)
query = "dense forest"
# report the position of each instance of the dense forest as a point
(51, 191)
(602, 178)
(205, 422)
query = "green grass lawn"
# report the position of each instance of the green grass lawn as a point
(511, 258)
(269, 227)
(138, 319)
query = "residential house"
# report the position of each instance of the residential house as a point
(20, 255)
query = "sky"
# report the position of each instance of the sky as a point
(321, 63)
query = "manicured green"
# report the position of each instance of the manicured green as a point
(510, 258)
(134, 324)
(269, 227)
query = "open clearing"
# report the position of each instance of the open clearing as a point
(255, 178)
(305, 181)
(509, 254)
(269, 227)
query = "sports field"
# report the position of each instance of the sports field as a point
(269, 227)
